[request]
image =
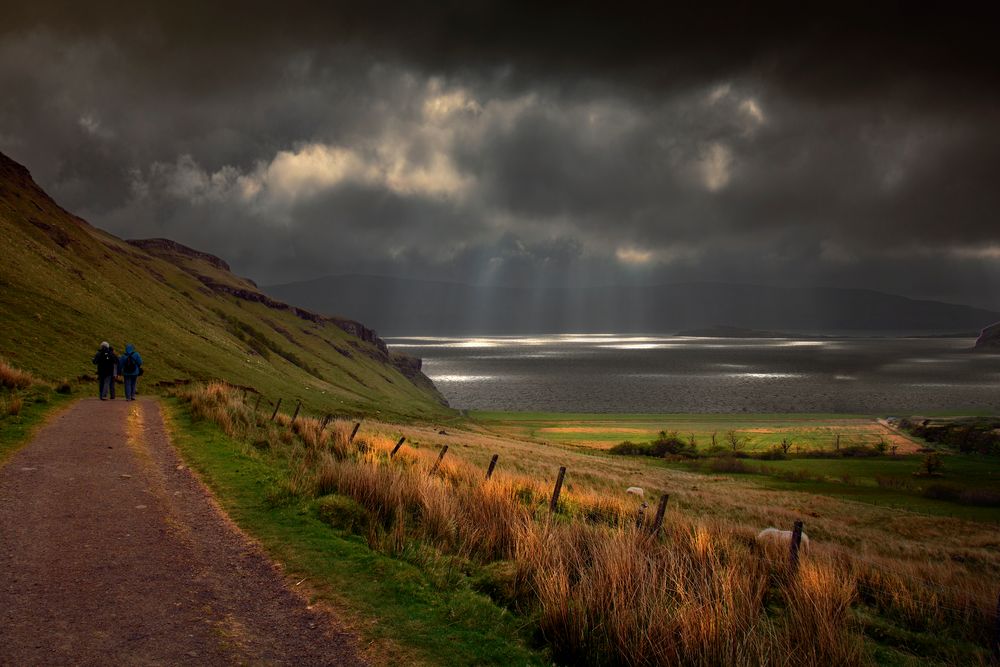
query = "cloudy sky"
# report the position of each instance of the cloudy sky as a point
(489, 142)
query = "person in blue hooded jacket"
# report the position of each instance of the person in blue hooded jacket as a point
(130, 367)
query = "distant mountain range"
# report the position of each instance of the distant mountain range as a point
(395, 306)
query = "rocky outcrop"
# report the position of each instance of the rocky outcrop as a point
(160, 247)
(989, 339)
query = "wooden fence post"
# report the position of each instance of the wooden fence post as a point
(640, 513)
(661, 509)
(557, 490)
(444, 450)
(257, 404)
(326, 421)
(996, 634)
(297, 406)
(354, 433)
(396, 448)
(793, 555)
(276, 406)
(493, 464)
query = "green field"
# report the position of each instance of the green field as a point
(885, 481)
(761, 431)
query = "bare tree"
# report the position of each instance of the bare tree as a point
(786, 444)
(736, 441)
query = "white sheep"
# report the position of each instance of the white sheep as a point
(635, 491)
(782, 538)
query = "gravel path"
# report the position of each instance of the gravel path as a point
(111, 552)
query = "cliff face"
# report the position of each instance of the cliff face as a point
(989, 339)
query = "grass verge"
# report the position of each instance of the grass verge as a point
(401, 610)
(34, 406)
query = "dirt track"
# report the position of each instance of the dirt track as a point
(111, 552)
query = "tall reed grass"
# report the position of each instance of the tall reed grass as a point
(603, 589)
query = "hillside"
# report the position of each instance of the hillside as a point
(65, 286)
(410, 307)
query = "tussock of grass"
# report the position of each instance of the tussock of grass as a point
(600, 588)
(14, 378)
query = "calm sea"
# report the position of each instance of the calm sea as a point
(609, 373)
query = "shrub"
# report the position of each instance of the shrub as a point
(343, 513)
(931, 466)
(666, 444)
(775, 454)
(629, 448)
(64, 387)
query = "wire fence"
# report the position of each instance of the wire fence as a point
(979, 601)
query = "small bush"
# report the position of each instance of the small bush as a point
(776, 454)
(931, 466)
(629, 448)
(343, 513)
(64, 387)
(666, 445)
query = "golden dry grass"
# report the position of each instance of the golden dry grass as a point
(605, 590)
(14, 378)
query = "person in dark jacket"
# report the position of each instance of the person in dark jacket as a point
(130, 368)
(107, 368)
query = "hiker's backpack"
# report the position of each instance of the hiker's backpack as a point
(108, 357)
(130, 366)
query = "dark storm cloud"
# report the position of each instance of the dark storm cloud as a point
(542, 142)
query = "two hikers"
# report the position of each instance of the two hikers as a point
(107, 369)
(130, 368)
(109, 366)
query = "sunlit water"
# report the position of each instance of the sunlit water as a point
(608, 373)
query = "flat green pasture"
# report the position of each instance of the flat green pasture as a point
(759, 431)
(885, 481)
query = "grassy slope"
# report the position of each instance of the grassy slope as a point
(412, 619)
(65, 286)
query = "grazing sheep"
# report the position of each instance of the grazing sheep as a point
(782, 538)
(635, 491)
